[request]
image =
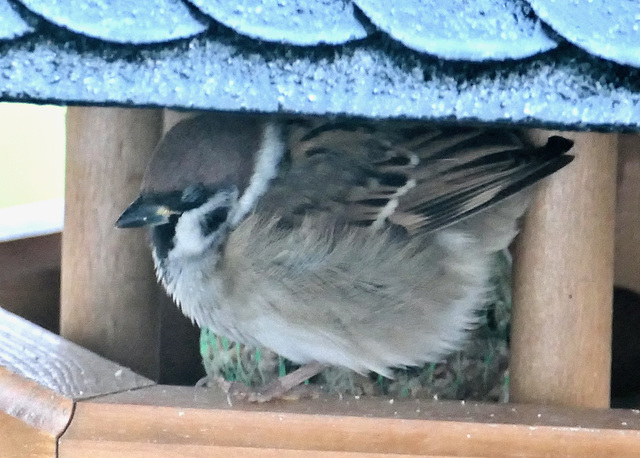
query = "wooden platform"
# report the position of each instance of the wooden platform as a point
(60, 400)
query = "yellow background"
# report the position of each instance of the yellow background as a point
(32, 144)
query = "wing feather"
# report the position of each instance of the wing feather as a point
(414, 176)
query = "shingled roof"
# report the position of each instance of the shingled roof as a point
(572, 64)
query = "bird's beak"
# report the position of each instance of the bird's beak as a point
(141, 213)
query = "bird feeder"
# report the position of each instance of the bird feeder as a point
(539, 65)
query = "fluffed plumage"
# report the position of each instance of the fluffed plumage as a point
(363, 245)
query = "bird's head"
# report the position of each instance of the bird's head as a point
(205, 175)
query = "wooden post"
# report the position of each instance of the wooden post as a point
(625, 364)
(181, 363)
(173, 117)
(563, 282)
(108, 291)
(627, 257)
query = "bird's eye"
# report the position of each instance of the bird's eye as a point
(194, 194)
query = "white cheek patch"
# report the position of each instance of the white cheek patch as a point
(265, 169)
(189, 239)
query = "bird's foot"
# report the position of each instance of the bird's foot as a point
(208, 381)
(288, 387)
(270, 392)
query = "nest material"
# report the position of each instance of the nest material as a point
(479, 372)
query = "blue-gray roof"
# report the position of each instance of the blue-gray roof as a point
(542, 62)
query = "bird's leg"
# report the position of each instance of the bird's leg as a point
(284, 387)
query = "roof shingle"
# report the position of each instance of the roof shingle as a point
(491, 62)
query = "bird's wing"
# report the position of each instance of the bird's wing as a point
(416, 177)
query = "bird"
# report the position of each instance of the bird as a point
(335, 242)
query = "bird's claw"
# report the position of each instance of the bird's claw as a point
(267, 393)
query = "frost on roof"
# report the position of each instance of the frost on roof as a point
(472, 31)
(609, 29)
(374, 78)
(11, 24)
(298, 22)
(136, 22)
(462, 30)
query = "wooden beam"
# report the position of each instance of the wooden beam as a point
(109, 290)
(563, 282)
(41, 376)
(32, 416)
(625, 365)
(627, 254)
(180, 360)
(166, 421)
(58, 399)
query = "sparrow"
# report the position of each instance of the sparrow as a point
(365, 245)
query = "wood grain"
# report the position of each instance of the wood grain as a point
(563, 282)
(109, 291)
(19, 440)
(41, 376)
(35, 405)
(54, 363)
(168, 421)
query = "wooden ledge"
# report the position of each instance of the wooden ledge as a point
(61, 400)
(41, 377)
(160, 420)
(32, 417)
